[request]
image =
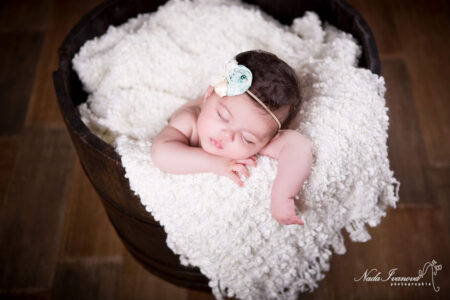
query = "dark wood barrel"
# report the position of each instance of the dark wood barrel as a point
(140, 233)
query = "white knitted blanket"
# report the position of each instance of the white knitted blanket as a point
(138, 73)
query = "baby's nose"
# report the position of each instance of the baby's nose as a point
(228, 135)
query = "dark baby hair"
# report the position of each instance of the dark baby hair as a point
(274, 82)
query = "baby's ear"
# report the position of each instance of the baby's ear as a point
(208, 93)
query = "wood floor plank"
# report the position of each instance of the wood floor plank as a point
(199, 295)
(87, 230)
(381, 22)
(424, 32)
(94, 278)
(43, 108)
(9, 147)
(443, 196)
(406, 239)
(27, 296)
(418, 32)
(24, 15)
(19, 53)
(406, 151)
(136, 283)
(440, 178)
(414, 35)
(32, 214)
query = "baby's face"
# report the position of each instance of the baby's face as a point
(233, 127)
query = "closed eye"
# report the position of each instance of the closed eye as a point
(246, 141)
(221, 117)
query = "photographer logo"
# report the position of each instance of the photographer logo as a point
(425, 276)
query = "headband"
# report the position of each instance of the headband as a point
(237, 80)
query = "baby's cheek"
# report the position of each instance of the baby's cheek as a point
(242, 153)
(202, 126)
(254, 152)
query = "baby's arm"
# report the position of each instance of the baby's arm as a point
(294, 154)
(172, 153)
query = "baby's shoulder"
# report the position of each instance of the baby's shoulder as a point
(286, 137)
(189, 109)
(185, 118)
(184, 121)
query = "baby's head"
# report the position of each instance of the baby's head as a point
(240, 126)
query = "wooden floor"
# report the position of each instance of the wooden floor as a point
(56, 241)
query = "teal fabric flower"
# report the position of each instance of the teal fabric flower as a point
(239, 80)
(233, 80)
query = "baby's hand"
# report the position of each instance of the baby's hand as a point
(283, 210)
(233, 167)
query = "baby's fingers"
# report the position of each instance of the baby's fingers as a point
(241, 169)
(233, 176)
(298, 221)
(295, 220)
(248, 161)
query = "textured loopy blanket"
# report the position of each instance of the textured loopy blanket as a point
(138, 73)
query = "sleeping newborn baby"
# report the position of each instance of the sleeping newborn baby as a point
(245, 112)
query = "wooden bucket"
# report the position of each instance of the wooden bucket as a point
(140, 233)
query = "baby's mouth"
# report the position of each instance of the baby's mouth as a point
(216, 143)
